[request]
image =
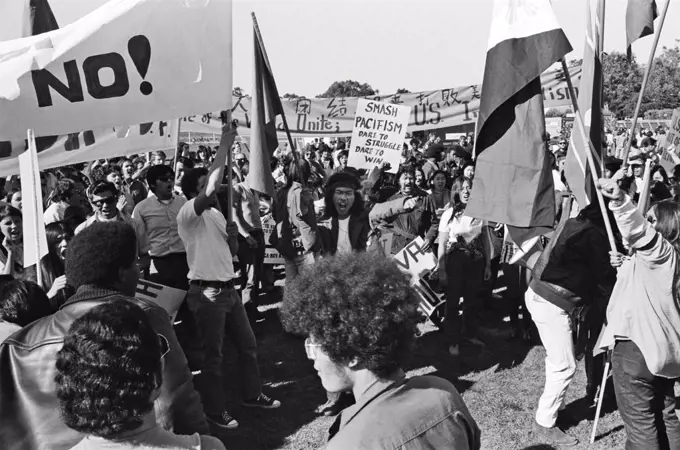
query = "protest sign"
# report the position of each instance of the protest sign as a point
(74, 148)
(35, 239)
(129, 61)
(378, 135)
(166, 297)
(271, 255)
(417, 263)
(316, 117)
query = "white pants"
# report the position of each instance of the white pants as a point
(560, 362)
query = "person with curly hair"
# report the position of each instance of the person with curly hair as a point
(21, 302)
(360, 314)
(114, 349)
(101, 264)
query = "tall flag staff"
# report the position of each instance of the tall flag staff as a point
(269, 74)
(640, 16)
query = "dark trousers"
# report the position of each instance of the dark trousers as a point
(172, 271)
(464, 276)
(646, 402)
(251, 262)
(219, 312)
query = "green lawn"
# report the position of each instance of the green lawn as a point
(500, 384)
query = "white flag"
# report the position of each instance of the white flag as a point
(128, 62)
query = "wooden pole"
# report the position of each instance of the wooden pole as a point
(643, 201)
(578, 121)
(226, 116)
(645, 79)
(269, 67)
(600, 398)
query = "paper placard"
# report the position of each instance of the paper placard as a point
(166, 297)
(378, 134)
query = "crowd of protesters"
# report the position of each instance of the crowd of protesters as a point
(80, 336)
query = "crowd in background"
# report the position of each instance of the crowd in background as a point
(111, 221)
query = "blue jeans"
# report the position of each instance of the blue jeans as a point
(219, 312)
(646, 402)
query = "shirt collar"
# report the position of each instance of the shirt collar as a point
(373, 391)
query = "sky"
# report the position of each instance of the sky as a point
(418, 45)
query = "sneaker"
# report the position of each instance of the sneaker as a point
(263, 401)
(223, 421)
(554, 435)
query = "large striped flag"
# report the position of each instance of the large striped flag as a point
(640, 15)
(590, 104)
(513, 180)
(21, 18)
(266, 105)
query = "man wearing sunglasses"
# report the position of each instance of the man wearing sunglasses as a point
(103, 198)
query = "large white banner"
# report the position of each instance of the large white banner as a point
(314, 117)
(130, 61)
(378, 135)
(58, 151)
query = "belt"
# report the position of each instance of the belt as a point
(213, 284)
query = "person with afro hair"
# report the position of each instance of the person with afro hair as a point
(108, 374)
(101, 264)
(360, 314)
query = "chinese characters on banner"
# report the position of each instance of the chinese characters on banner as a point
(335, 116)
(378, 136)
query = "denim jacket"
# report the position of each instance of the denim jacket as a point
(416, 413)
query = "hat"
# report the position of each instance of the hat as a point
(460, 152)
(635, 162)
(343, 179)
(612, 163)
(434, 151)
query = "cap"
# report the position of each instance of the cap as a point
(343, 179)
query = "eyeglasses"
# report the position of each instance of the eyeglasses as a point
(165, 345)
(108, 201)
(310, 349)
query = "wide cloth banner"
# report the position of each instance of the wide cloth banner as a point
(335, 116)
(127, 62)
(74, 148)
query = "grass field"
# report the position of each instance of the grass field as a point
(501, 385)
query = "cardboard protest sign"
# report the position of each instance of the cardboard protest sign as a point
(127, 62)
(166, 297)
(316, 117)
(672, 137)
(412, 260)
(58, 151)
(378, 135)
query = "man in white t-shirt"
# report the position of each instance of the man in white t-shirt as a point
(212, 299)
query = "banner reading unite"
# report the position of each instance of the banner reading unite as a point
(335, 116)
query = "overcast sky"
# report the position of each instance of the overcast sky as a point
(414, 44)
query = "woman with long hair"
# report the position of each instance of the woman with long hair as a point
(53, 264)
(203, 157)
(420, 180)
(436, 203)
(643, 320)
(12, 247)
(463, 266)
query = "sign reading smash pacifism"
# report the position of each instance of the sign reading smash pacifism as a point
(129, 61)
(378, 134)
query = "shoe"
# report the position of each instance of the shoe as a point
(453, 350)
(554, 435)
(223, 421)
(263, 401)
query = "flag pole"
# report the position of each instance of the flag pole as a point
(32, 149)
(269, 67)
(600, 398)
(578, 120)
(645, 79)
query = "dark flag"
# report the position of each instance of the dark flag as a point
(266, 105)
(513, 181)
(640, 15)
(576, 168)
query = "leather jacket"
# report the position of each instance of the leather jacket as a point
(29, 408)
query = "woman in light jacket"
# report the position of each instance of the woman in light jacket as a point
(643, 321)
